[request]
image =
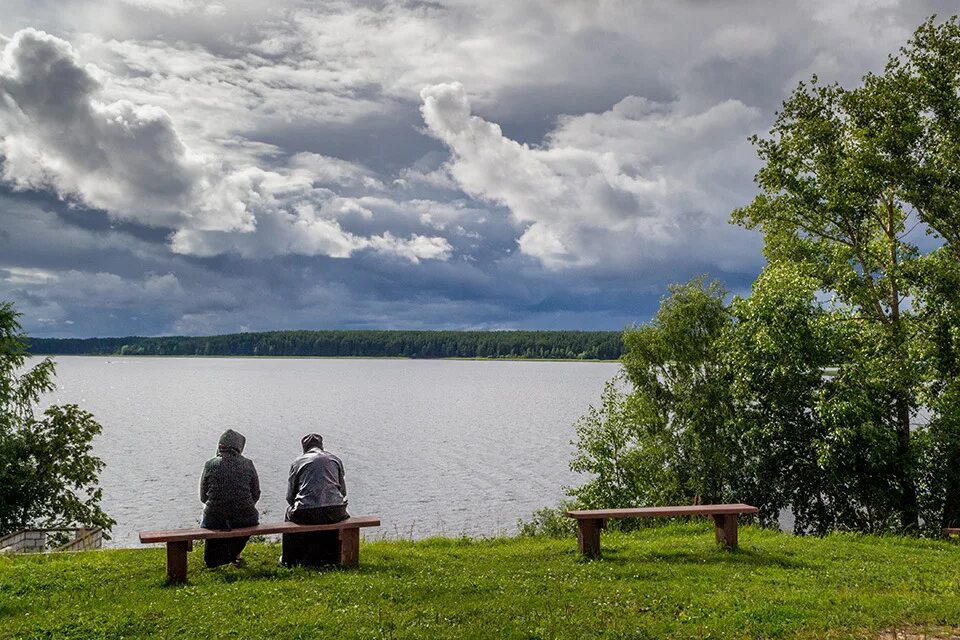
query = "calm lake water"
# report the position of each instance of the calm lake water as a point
(433, 447)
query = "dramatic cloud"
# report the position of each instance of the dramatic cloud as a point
(187, 166)
(129, 161)
(118, 156)
(602, 182)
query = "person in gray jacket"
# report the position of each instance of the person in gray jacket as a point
(229, 490)
(316, 494)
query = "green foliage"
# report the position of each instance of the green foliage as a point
(809, 394)
(547, 345)
(776, 353)
(847, 173)
(550, 522)
(48, 476)
(812, 419)
(938, 348)
(665, 582)
(831, 206)
(669, 439)
(917, 117)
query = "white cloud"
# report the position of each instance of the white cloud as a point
(25, 276)
(612, 134)
(414, 249)
(302, 230)
(108, 290)
(604, 186)
(129, 160)
(124, 158)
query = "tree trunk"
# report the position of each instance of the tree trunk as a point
(909, 513)
(951, 503)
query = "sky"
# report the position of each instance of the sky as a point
(187, 167)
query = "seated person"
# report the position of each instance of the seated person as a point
(230, 488)
(316, 493)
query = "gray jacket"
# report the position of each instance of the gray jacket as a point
(316, 480)
(229, 486)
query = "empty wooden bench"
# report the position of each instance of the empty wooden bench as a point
(590, 522)
(180, 541)
(949, 532)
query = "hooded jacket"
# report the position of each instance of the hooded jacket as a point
(229, 486)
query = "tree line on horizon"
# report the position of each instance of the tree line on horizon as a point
(549, 345)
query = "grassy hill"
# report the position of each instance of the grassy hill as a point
(654, 583)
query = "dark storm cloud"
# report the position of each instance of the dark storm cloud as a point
(177, 166)
(90, 219)
(123, 158)
(386, 142)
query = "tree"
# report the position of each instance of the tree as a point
(48, 475)
(938, 346)
(847, 174)
(926, 77)
(669, 438)
(831, 203)
(843, 365)
(814, 435)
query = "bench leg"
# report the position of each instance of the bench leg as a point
(350, 547)
(726, 525)
(177, 561)
(588, 536)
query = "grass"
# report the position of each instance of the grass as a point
(657, 582)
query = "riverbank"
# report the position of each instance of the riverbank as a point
(654, 583)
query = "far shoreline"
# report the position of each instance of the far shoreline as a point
(307, 357)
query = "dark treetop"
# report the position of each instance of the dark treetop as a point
(583, 345)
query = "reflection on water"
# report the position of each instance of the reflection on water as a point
(433, 447)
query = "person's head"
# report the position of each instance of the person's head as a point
(311, 441)
(231, 442)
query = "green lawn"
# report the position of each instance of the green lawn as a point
(654, 583)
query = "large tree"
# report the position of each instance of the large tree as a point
(834, 388)
(669, 439)
(925, 77)
(48, 475)
(848, 174)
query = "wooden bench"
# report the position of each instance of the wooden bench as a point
(590, 522)
(180, 541)
(949, 532)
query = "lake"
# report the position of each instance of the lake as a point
(433, 447)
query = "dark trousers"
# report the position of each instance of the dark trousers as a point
(221, 552)
(317, 547)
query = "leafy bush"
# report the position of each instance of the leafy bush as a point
(48, 475)
(550, 522)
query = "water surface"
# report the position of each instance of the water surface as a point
(433, 447)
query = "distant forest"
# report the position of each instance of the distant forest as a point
(551, 345)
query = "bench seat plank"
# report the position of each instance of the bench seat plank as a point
(178, 535)
(652, 512)
(591, 521)
(180, 541)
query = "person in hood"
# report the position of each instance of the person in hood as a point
(316, 494)
(229, 489)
